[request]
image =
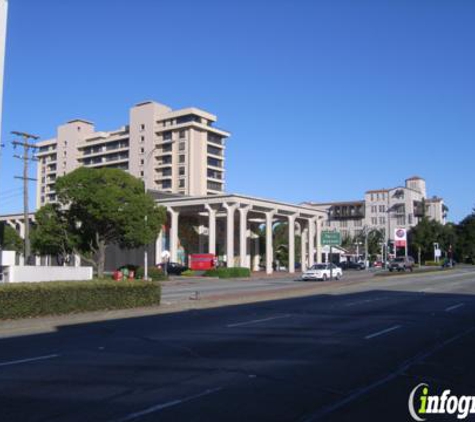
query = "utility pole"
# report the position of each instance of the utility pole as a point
(26, 158)
(3, 37)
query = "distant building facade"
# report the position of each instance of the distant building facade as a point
(383, 210)
(178, 151)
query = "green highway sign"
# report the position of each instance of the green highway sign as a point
(331, 238)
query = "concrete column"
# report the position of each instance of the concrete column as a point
(319, 240)
(77, 260)
(248, 243)
(211, 229)
(230, 234)
(292, 243)
(269, 244)
(303, 243)
(311, 242)
(158, 248)
(173, 234)
(257, 252)
(243, 262)
(201, 238)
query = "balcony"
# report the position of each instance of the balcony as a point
(346, 212)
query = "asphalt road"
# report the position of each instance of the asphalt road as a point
(182, 290)
(350, 353)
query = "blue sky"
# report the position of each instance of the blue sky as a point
(324, 99)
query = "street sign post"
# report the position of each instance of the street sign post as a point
(330, 239)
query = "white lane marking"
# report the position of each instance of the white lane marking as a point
(325, 411)
(18, 362)
(256, 321)
(162, 406)
(452, 308)
(380, 333)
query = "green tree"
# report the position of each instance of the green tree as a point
(101, 207)
(427, 232)
(466, 239)
(9, 238)
(53, 234)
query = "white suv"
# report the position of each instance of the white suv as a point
(322, 272)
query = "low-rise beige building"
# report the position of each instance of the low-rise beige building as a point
(179, 151)
(383, 210)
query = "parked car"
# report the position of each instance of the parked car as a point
(322, 272)
(401, 264)
(378, 264)
(173, 268)
(346, 265)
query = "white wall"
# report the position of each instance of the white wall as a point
(7, 258)
(36, 274)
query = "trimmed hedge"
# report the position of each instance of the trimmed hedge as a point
(188, 273)
(154, 273)
(26, 300)
(236, 272)
(433, 263)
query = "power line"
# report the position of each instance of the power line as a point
(26, 158)
(10, 190)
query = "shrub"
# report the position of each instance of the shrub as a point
(154, 273)
(26, 300)
(237, 272)
(433, 264)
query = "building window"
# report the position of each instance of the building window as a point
(166, 184)
(410, 218)
(181, 171)
(167, 136)
(214, 150)
(401, 220)
(382, 220)
(374, 209)
(343, 223)
(182, 134)
(142, 162)
(181, 159)
(142, 150)
(382, 208)
(374, 221)
(141, 174)
(214, 186)
(215, 139)
(181, 146)
(142, 127)
(214, 162)
(181, 183)
(142, 139)
(358, 223)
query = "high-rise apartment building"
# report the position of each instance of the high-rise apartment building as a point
(177, 151)
(383, 210)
